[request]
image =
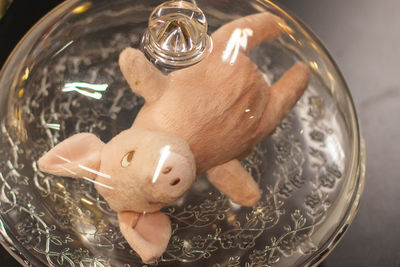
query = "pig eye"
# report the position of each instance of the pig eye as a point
(126, 160)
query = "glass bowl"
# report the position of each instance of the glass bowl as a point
(311, 169)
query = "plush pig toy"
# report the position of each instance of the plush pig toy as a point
(196, 120)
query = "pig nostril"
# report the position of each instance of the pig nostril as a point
(167, 170)
(175, 181)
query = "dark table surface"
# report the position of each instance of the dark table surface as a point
(364, 38)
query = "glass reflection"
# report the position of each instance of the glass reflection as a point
(165, 151)
(94, 171)
(82, 8)
(237, 40)
(314, 65)
(86, 201)
(63, 48)
(61, 186)
(26, 74)
(98, 183)
(54, 126)
(335, 149)
(88, 170)
(81, 87)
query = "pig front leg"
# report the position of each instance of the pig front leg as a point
(234, 181)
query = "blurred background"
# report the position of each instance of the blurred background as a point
(363, 37)
(4, 4)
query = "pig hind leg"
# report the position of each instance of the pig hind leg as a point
(234, 181)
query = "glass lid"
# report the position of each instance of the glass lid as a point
(179, 133)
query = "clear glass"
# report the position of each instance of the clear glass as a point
(311, 169)
(177, 35)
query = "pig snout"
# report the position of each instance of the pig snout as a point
(173, 176)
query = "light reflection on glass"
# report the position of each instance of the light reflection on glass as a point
(247, 110)
(331, 79)
(63, 48)
(237, 40)
(86, 169)
(94, 171)
(314, 46)
(73, 87)
(234, 206)
(96, 182)
(335, 149)
(82, 8)
(330, 76)
(26, 74)
(180, 202)
(54, 126)
(62, 158)
(292, 37)
(60, 185)
(165, 151)
(286, 28)
(186, 245)
(314, 65)
(68, 170)
(21, 93)
(299, 42)
(258, 211)
(84, 200)
(18, 124)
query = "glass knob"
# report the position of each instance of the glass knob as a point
(177, 35)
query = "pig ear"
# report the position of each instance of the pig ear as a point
(148, 234)
(77, 156)
(142, 76)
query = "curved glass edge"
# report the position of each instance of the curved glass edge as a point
(358, 162)
(17, 252)
(354, 123)
(324, 251)
(15, 60)
(328, 247)
(7, 241)
(9, 246)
